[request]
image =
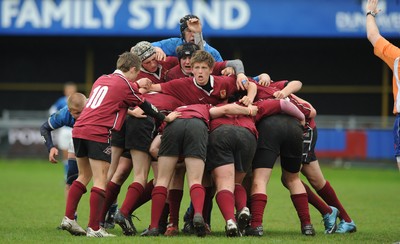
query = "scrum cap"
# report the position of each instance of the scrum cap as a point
(186, 50)
(143, 50)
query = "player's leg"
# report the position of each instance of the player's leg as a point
(99, 165)
(224, 178)
(166, 169)
(175, 194)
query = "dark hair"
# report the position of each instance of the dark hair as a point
(183, 23)
(186, 50)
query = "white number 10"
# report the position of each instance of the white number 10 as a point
(97, 97)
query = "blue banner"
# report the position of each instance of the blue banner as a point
(220, 18)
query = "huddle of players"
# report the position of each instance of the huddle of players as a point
(220, 142)
(195, 119)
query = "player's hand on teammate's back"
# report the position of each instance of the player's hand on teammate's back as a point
(228, 71)
(279, 95)
(242, 82)
(160, 54)
(172, 116)
(264, 79)
(144, 83)
(137, 113)
(254, 110)
(245, 100)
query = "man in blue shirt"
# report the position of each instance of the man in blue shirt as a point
(190, 27)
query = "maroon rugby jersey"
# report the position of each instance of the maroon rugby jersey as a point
(237, 120)
(189, 92)
(163, 102)
(267, 92)
(267, 107)
(304, 107)
(106, 107)
(200, 111)
(160, 75)
(176, 72)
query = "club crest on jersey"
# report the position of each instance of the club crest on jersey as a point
(222, 94)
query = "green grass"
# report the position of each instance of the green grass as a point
(32, 205)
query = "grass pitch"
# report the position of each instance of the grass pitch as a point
(32, 205)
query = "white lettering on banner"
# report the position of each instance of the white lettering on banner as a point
(88, 20)
(349, 22)
(177, 12)
(29, 13)
(109, 11)
(217, 14)
(235, 23)
(71, 14)
(9, 10)
(96, 14)
(24, 136)
(141, 17)
(52, 12)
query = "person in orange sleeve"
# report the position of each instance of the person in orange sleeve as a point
(390, 54)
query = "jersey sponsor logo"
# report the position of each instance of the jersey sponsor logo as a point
(107, 150)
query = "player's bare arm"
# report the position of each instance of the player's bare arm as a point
(233, 109)
(251, 94)
(292, 87)
(372, 29)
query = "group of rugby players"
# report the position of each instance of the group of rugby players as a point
(175, 106)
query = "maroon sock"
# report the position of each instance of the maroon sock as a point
(97, 197)
(226, 203)
(240, 197)
(197, 194)
(75, 193)
(258, 203)
(314, 200)
(209, 194)
(146, 195)
(329, 195)
(158, 198)
(300, 203)
(135, 190)
(112, 192)
(174, 199)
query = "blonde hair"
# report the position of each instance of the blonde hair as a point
(76, 100)
(127, 60)
(202, 57)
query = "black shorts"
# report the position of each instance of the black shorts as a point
(118, 140)
(186, 138)
(92, 149)
(310, 136)
(118, 137)
(139, 133)
(229, 144)
(279, 135)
